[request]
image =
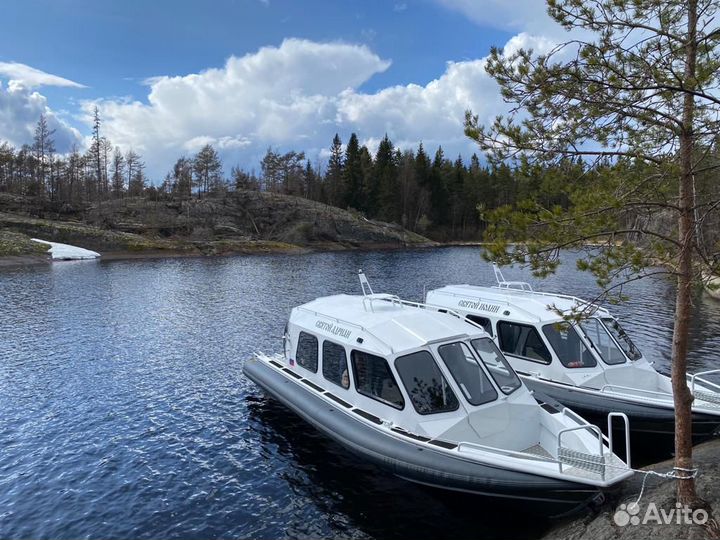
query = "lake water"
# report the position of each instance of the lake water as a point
(124, 412)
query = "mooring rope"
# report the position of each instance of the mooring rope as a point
(687, 474)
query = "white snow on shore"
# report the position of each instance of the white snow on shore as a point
(66, 252)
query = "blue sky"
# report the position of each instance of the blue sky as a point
(248, 74)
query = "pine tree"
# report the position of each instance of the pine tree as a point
(207, 168)
(639, 86)
(182, 178)
(387, 192)
(367, 193)
(312, 182)
(118, 174)
(439, 199)
(353, 175)
(334, 177)
(96, 151)
(133, 164)
(44, 150)
(242, 180)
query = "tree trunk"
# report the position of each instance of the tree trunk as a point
(686, 236)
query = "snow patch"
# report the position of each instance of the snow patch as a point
(66, 252)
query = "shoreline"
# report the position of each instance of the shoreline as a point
(252, 248)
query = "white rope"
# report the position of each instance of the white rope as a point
(687, 475)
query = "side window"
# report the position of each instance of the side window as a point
(482, 321)
(306, 354)
(374, 379)
(523, 340)
(469, 376)
(568, 346)
(334, 364)
(429, 392)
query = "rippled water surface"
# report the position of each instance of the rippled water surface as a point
(124, 412)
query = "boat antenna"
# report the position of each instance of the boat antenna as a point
(364, 283)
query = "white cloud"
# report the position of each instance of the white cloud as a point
(20, 110)
(297, 96)
(514, 15)
(31, 77)
(276, 96)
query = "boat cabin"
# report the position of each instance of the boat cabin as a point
(411, 366)
(529, 328)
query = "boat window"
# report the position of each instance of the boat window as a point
(626, 344)
(469, 376)
(374, 379)
(429, 392)
(496, 364)
(568, 346)
(482, 321)
(334, 364)
(523, 340)
(306, 354)
(601, 340)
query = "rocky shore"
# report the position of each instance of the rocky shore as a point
(243, 222)
(613, 521)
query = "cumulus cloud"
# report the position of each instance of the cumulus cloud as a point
(31, 77)
(297, 96)
(20, 110)
(275, 96)
(514, 15)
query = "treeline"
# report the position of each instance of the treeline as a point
(102, 172)
(425, 193)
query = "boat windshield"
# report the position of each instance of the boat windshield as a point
(496, 364)
(568, 346)
(469, 376)
(600, 338)
(626, 344)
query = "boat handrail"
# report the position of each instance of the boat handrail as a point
(349, 323)
(591, 462)
(580, 420)
(624, 417)
(511, 453)
(606, 389)
(502, 283)
(385, 298)
(576, 299)
(393, 299)
(699, 377)
(710, 395)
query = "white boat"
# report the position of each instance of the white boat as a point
(592, 367)
(422, 393)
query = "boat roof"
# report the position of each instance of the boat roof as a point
(381, 322)
(519, 304)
